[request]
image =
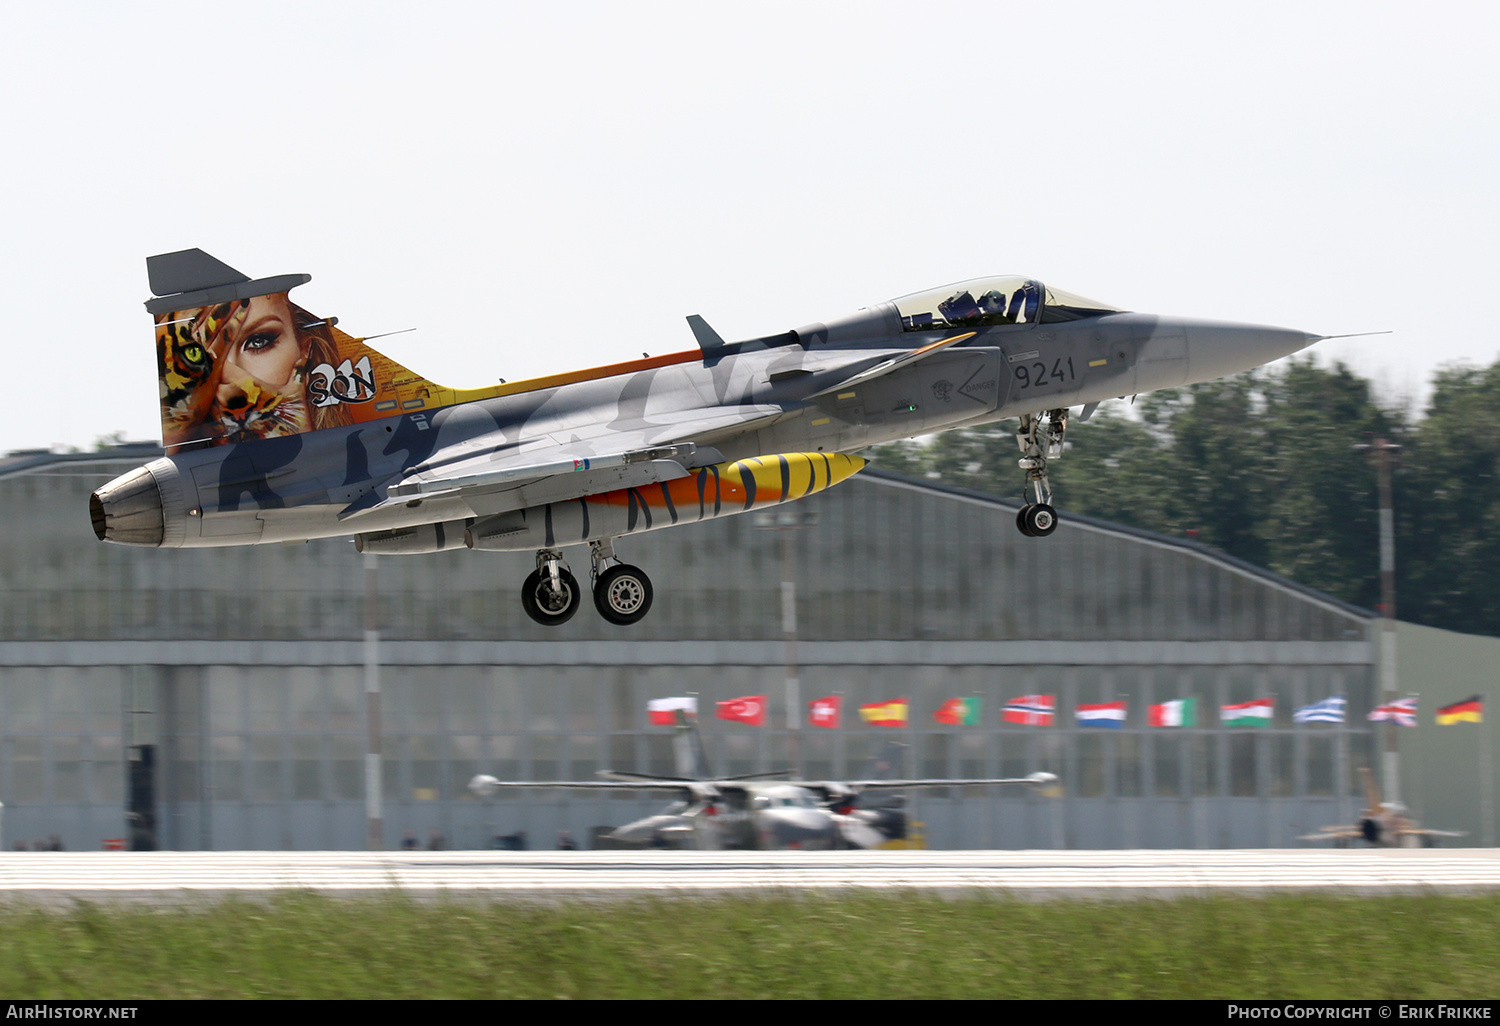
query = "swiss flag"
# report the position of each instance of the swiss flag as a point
(751, 709)
(824, 712)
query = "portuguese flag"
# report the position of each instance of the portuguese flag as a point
(959, 712)
(1470, 710)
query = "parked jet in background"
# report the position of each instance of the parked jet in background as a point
(756, 810)
(280, 427)
(1383, 824)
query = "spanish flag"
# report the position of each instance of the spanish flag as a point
(1470, 710)
(885, 714)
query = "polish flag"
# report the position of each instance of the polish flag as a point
(751, 709)
(662, 712)
(824, 712)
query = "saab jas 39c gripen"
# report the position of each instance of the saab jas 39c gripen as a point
(280, 427)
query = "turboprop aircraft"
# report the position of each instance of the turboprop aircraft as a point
(754, 811)
(280, 427)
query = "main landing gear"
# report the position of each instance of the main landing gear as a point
(1040, 438)
(551, 595)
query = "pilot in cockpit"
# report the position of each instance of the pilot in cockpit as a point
(992, 306)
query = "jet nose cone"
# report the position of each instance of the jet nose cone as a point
(1217, 349)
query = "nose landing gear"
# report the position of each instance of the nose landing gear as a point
(1040, 438)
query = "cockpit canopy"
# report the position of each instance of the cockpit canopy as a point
(989, 301)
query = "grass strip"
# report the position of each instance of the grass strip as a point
(893, 945)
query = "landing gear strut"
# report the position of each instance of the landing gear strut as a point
(550, 595)
(622, 593)
(1040, 438)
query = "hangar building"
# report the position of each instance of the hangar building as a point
(239, 672)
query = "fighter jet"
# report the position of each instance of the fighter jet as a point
(280, 427)
(753, 811)
(1383, 824)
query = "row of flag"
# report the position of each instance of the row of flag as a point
(1041, 711)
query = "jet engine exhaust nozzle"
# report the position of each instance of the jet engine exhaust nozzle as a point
(128, 510)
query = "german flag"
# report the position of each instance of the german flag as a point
(1470, 710)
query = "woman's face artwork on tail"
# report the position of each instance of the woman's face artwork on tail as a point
(233, 372)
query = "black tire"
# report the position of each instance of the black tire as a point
(546, 607)
(623, 595)
(1021, 519)
(1041, 520)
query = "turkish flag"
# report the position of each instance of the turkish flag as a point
(824, 712)
(751, 709)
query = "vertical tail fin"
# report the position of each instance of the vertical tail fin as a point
(238, 360)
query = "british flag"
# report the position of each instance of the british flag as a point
(1403, 711)
(1031, 710)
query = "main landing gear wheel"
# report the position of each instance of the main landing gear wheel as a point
(1038, 520)
(549, 605)
(623, 594)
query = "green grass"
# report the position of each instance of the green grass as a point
(891, 945)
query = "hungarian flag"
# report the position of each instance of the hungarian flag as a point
(1180, 712)
(1110, 714)
(1403, 712)
(1032, 710)
(751, 709)
(885, 714)
(959, 712)
(662, 712)
(825, 712)
(1248, 714)
(1470, 710)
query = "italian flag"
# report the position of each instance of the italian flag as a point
(1181, 712)
(1248, 714)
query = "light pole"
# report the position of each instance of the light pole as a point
(784, 521)
(374, 815)
(1381, 450)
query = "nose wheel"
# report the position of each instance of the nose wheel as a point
(1036, 520)
(1040, 439)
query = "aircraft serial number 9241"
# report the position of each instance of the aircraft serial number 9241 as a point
(280, 427)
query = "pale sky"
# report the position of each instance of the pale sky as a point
(541, 189)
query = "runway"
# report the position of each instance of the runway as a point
(192, 877)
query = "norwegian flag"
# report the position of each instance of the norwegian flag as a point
(751, 709)
(825, 712)
(1031, 710)
(1403, 711)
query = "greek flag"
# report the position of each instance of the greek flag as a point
(1330, 710)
